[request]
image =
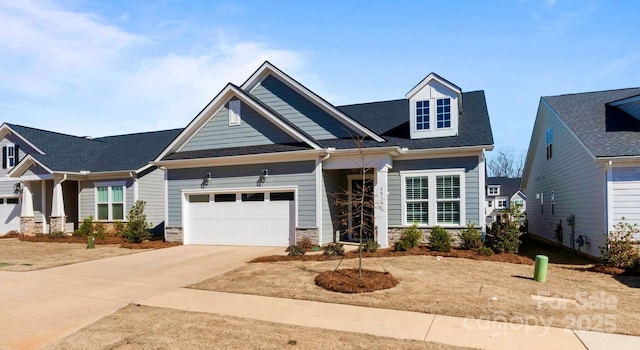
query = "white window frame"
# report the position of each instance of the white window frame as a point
(493, 190)
(433, 114)
(500, 201)
(549, 143)
(12, 147)
(110, 203)
(433, 201)
(436, 114)
(234, 112)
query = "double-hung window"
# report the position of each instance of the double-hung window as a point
(422, 115)
(443, 113)
(110, 201)
(432, 198)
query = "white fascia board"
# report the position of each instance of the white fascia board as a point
(25, 164)
(268, 69)
(443, 152)
(429, 78)
(5, 129)
(619, 159)
(239, 160)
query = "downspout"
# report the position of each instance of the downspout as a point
(135, 185)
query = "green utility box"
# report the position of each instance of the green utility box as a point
(540, 271)
(91, 242)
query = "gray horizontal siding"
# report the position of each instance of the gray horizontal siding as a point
(299, 174)
(335, 182)
(253, 130)
(626, 195)
(472, 205)
(576, 180)
(87, 196)
(151, 190)
(36, 170)
(23, 150)
(299, 110)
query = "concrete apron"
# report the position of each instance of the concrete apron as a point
(39, 307)
(390, 323)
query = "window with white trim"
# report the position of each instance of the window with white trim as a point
(110, 201)
(11, 155)
(443, 113)
(432, 198)
(422, 115)
(549, 143)
(501, 203)
(493, 190)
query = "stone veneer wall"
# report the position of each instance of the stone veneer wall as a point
(395, 232)
(57, 223)
(174, 234)
(312, 233)
(28, 226)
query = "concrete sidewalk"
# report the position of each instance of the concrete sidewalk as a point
(390, 323)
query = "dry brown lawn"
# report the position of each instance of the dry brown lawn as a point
(459, 287)
(16, 255)
(144, 327)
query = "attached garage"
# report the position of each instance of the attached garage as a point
(256, 218)
(9, 214)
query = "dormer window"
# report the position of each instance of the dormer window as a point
(422, 115)
(443, 113)
(494, 190)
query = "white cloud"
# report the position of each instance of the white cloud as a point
(70, 72)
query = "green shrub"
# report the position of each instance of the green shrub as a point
(57, 235)
(470, 238)
(485, 251)
(137, 229)
(440, 239)
(619, 250)
(305, 243)
(86, 227)
(334, 249)
(504, 237)
(369, 246)
(99, 231)
(295, 250)
(409, 238)
(118, 228)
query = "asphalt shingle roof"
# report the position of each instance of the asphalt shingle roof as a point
(605, 130)
(113, 153)
(508, 185)
(238, 151)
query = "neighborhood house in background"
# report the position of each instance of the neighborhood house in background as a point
(502, 193)
(582, 173)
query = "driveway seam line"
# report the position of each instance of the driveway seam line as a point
(429, 328)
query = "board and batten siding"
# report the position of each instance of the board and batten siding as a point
(254, 130)
(626, 195)
(576, 180)
(474, 212)
(151, 191)
(87, 204)
(300, 174)
(299, 110)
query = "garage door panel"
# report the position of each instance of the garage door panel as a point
(256, 223)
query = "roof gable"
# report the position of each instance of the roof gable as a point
(268, 70)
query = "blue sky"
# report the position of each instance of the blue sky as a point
(107, 67)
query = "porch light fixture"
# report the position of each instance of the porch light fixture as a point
(17, 187)
(207, 177)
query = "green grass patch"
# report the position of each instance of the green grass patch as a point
(3, 265)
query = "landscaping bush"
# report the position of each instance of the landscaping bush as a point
(334, 249)
(137, 229)
(99, 231)
(409, 238)
(619, 250)
(295, 250)
(470, 238)
(484, 251)
(440, 239)
(305, 243)
(504, 237)
(118, 228)
(57, 235)
(86, 227)
(369, 246)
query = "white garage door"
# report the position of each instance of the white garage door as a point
(9, 215)
(251, 219)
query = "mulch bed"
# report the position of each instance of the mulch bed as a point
(108, 240)
(347, 281)
(614, 271)
(390, 252)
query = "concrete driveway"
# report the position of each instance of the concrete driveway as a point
(41, 306)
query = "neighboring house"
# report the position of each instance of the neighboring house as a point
(584, 159)
(51, 181)
(502, 193)
(259, 164)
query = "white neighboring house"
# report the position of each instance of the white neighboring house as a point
(502, 193)
(584, 160)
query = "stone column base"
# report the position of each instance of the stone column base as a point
(174, 234)
(57, 223)
(28, 226)
(311, 233)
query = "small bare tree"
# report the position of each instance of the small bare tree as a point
(506, 163)
(358, 205)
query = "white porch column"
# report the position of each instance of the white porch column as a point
(57, 201)
(27, 201)
(381, 205)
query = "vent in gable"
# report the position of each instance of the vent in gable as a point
(234, 112)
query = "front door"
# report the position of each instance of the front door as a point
(361, 209)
